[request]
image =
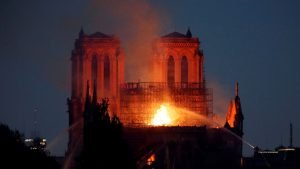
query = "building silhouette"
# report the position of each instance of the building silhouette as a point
(177, 67)
(177, 71)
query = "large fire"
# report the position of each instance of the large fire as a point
(170, 115)
(162, 117)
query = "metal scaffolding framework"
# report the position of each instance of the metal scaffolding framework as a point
(139, 100)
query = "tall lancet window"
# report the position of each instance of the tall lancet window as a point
(94, 70)
(171, 71)
(184, 70)
(106, 73)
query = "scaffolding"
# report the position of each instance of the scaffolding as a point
(139, 100)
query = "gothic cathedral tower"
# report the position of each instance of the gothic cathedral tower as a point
(178, 59)
(98, 61)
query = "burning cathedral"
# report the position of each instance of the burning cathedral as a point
(176, 97)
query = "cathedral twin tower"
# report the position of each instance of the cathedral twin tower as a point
(177, 79)
(177, 71)
(99, 60)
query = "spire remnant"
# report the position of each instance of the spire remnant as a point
(189, 33)
(237, 89)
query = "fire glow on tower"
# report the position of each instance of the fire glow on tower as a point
(174, 105)
(98, 61)
(178, 83)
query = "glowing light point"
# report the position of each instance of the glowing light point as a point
(161, 117)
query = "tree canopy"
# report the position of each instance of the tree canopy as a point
(103, 143)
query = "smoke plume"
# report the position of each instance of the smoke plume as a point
(136, 22)
(221, 99)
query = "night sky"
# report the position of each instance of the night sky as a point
(255, 42)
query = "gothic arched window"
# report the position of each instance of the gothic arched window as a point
(184, 70)
(94, 69)
(106, 73)
(171, 71)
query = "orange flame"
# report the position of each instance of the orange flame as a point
(162, 117)
(170, 115)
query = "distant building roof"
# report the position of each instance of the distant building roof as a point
(175, 35)
(100, 35)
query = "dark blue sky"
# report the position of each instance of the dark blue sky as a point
(253, 41)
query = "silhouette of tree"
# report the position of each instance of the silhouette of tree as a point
(14, 153)
(103, 143)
